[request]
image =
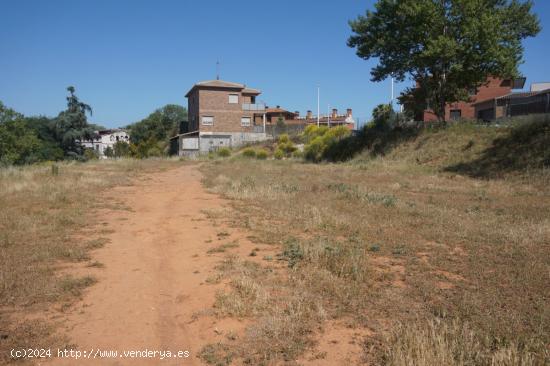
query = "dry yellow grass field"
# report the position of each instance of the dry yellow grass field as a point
(46, 223)
(440, 268)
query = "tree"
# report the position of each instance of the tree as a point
(71, 125)
(160, 125)
(121, 149)
(447, 46)
(109, 152)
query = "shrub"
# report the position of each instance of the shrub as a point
(261, 154)
(314, 150)
(283, 139)
(249, 152)
(279, 154)
(297, 154)
(90, 154)
(312, 131)
(320, 139)
(287, 147)
(224, 152)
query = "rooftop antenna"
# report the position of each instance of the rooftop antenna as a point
(218, 70)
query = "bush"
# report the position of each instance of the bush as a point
(287, 147)
(224, 152)
(283, 139)
(249, 152)
(279, 154)
(90, 154)
(261, 154)
(321, 139)
(297, 154)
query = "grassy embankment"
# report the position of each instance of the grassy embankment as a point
(47, 222)
(438, 242)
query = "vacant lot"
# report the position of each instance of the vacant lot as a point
(47, 224)
(435, 267)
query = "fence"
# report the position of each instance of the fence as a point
(535, 104)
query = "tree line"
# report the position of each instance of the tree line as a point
(32, 139)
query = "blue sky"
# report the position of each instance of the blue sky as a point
(127, 58)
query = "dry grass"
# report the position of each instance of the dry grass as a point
(43, 217)
(397, 246)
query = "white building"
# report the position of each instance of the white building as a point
(105, 139)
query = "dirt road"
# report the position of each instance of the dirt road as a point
(152, 284)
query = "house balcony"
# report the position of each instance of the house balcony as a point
(256, 107)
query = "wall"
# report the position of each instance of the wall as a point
(494, 88)
(227, 117)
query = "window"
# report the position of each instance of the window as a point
(245, 121)
(233, 98)
(455, 114)
(207, 120)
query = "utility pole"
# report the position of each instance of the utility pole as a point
(391, 91)
(318, 91)
(328, 115)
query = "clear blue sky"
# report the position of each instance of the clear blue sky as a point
(127, 58)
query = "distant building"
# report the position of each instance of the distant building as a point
(514, 104)
(221, 114)
(274, 115)
(105, 139)
(537, 87)
(493, 88)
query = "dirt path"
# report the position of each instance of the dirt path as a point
(153, 280)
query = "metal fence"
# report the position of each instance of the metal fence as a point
(535, 104)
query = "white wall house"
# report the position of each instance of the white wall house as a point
(107, 138)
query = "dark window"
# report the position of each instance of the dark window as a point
(455, 114)
(506, 83)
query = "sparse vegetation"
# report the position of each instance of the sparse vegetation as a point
(224, 152)
(261, 154)
(44, 210)
(370, 240)
(249, 152)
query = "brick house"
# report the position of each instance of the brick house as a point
(536, 101)
(493, 88)
(221, 114)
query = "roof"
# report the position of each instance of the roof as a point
(184, 134)
(514, 96)
(224, 85)
(251, 91)
(110, 131)
(277, 110)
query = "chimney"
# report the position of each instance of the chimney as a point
(297, 113)
(334, 113)
(309, 115)
(348, 112)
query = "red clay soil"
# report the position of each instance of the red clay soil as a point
(152, 293)
(153, 285)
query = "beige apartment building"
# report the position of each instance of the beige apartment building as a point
(221, 114)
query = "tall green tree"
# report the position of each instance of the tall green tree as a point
(447, 46)
(18, 144)
(71, 125)
(160, 125)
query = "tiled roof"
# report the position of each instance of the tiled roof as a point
(223, 84)
(219, 84)
(251, 91)
(277, 110)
